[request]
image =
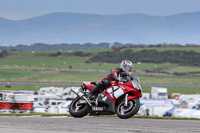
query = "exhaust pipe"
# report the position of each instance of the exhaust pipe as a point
(77, 92)
(80, 94)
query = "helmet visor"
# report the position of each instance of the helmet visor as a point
(129, 68)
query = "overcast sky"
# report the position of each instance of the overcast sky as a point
(22, 9)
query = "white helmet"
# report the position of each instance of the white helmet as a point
(126, 66)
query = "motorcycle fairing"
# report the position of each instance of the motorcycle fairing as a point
(89, 84)
(113, 92)
(132, 90)
(104, 100)
(118, 89)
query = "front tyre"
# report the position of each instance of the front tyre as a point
(77, 109)
(125, 112)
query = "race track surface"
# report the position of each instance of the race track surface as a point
(37, 124)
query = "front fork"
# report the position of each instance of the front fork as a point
(126, 100)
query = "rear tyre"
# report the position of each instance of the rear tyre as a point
(78, 110)
(125, 112)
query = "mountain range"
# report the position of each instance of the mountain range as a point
(64, 27)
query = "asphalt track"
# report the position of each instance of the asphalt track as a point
(37, 124)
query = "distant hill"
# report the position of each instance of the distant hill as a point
(57, 28)
(52, 47)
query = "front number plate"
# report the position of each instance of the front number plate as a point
(97, 108)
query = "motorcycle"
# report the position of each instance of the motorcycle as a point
(121, 98)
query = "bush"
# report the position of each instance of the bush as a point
(149, 56)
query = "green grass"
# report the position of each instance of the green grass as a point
(150, 66)
(98, 66)
(69, 77)
(79, 77)
(34, 53)
(175, 90)
(109, 66)
(184, 90)
(32, 63)
(41, 61)
(17, 88)
(75, 77)
(30, 114)
(15, 74)
(151, 117)
(183, 69)
(168, 80)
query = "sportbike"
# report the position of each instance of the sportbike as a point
(121, 98)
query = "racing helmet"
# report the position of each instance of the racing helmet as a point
(126, 66)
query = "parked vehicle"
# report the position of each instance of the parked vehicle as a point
(59, 106)
(159, 93)
(67, 93)
(64, 107)
(6, 96)
(121, 98)
(51, 91)
(176, 95)
(43, 100)
(155, 101)
(146, 95)
(23, 97)
(185, 112)
(154, 109)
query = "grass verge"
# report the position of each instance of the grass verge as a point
(152, 117)
(31, 114)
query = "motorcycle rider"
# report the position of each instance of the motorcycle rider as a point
(125, 66)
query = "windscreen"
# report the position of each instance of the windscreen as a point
(136, 83)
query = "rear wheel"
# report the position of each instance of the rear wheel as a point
(78, 109)
(128, 111)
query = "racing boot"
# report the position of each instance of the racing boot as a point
(93, 92)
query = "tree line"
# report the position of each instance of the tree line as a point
(77, 46)
(181, 57)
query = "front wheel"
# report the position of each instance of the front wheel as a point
(78, 108)
(125, 112)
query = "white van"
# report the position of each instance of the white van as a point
(159, 93)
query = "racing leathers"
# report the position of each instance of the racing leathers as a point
(105, 82)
